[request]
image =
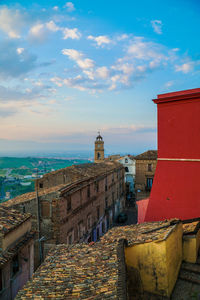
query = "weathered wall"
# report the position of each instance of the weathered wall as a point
(11, 285)
(142, 173)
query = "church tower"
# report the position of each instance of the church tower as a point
(99, 149)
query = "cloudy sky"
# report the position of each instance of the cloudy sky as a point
(70, 69)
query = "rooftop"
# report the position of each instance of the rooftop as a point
(148, 155)
(88, 170)
(94, 271)
(10, 219)
(141, 233)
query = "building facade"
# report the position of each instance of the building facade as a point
(16, 252)
(75, 204)
(99, 149)
(129, 165)
(145, 170)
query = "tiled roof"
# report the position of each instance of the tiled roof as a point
(88, 170)
(10, 219)
(11, 252)
(141, 233)
(191, 227)
(82, 171)
(94, 271)
(148, 155)
(29, 196)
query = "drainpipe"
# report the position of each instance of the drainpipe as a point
(38, 221)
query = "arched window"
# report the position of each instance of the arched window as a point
(98, 155)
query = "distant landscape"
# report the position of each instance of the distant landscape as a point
(18, 174)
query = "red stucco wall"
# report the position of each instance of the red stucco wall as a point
(175, 191)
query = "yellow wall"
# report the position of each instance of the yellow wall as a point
(16, 234)
(158, 262)
(191, 247)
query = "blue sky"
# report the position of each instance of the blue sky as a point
(69, 69)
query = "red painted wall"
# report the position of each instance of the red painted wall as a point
(175, 191)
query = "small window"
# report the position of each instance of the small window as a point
(15, 265)
(150, 167)
(106, 202)
(106, 184)
(41, 185)
(69, 204)
(98, 155)
(126, 160)
(126, 169)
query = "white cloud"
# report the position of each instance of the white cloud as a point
(56, 8)
(20, 50)
(101, 40)
(185, 68)
(157, 26)
(74, 34)
(52, 26)
(38, 33)
(11, 22)
(102, 72)
(78, 57)
(70, 6)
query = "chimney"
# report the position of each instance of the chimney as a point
(176, 187)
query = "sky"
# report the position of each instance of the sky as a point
(71, 69)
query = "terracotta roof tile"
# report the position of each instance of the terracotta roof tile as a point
(148, 155)
(10, 219)
(141, 233)
(80, 272)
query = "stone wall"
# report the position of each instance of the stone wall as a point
(144, 171)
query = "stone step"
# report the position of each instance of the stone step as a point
(190, 276)
(195, 268)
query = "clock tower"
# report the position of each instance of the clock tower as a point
(99, 149)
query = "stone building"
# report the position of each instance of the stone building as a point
(145, 170)
(16, 251)
(74, 204)
(99, 149)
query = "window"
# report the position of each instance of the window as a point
(149, 182)
(106, 184)
(69, 204)
(98, 155)
(112, 177)
(126, 160)
(149, 167)
(97, 186)
(126, 169)
(41, 185)
(113, 198)
(15, 265)
(106, 202)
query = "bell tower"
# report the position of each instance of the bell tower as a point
(99, 149)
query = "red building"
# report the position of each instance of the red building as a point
(175, 191)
